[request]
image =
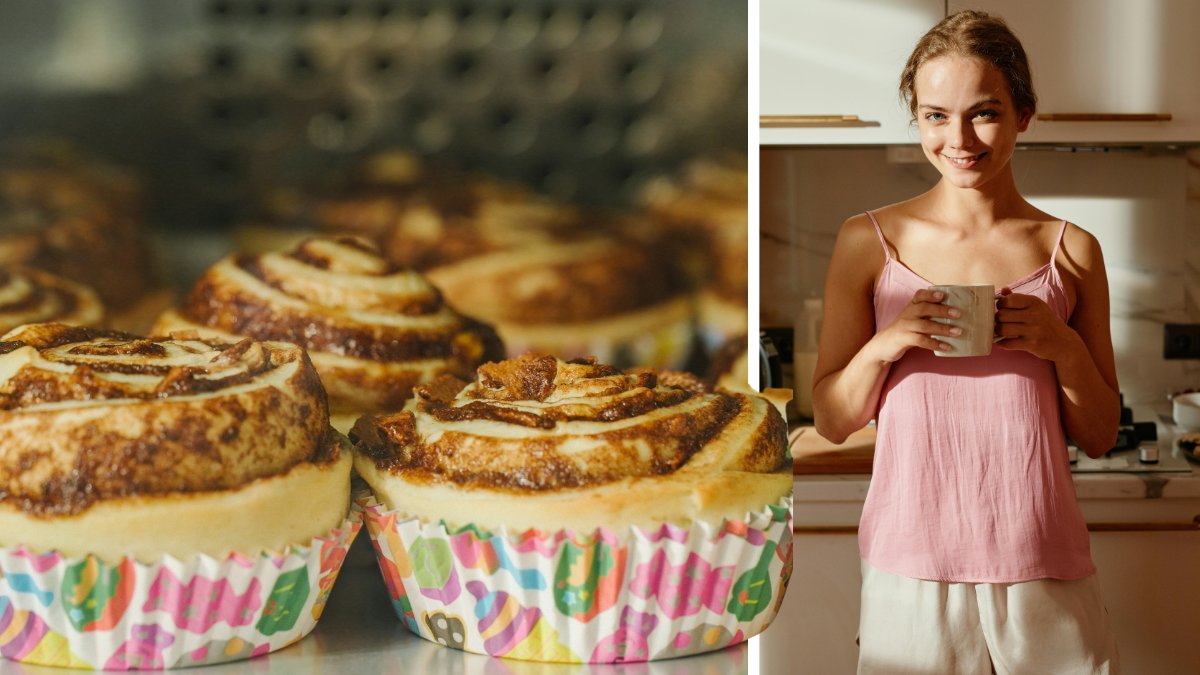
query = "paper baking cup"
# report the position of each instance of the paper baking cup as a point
(605, 598)
(83, 612)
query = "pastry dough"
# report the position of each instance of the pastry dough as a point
(28, 295)
(113, 444)
(706, 216)
(539, 442)
(372, 329)
(78, 220)
(548, 275)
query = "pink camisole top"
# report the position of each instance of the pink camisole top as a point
(971, 481)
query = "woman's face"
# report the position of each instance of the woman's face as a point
(966, 118)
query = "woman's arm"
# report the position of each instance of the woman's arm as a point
(1081, 349)
(853, 360)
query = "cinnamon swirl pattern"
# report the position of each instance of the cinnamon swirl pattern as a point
(549, 276)
(80, 222)
(534, 430)
(163, 502)
(88, 415)
(372, 329)
(28, 295)
(570, 511)
(586, 289)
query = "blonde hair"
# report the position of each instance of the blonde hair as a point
(975, 34)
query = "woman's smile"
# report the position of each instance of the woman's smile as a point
(964, 161)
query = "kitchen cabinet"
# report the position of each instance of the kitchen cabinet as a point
(1145, 578)
(816, 628)
(832, 58)
(1108, 57)
(1145, 540)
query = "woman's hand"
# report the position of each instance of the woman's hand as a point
(915, 327)
(1026, 323)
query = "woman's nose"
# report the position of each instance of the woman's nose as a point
(962, 133)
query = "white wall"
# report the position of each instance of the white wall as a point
(1144, 207)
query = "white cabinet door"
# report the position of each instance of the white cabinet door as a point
(1151, 589)
(836, 58)
(817, 626)
(1105, 57)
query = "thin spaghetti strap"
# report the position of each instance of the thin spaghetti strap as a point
(1058, 244)
(887, 251)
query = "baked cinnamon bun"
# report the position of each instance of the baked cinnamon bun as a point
(28, 295)
(80, 220)
(539, 442)
(372, 329)
(570, 511)
(548, 276)
(705, 212)
(112, 444)
(551, 276)
(163, 502)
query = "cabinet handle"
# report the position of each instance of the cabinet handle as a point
(1104, 117)
(793, 121)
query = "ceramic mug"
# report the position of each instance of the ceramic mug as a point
(978, 320)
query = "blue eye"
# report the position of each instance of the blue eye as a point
(987, 114)
(935, 116)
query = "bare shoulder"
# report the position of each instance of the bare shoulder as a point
(1081, 266)
(1080, 255)
(858, 255)
(858, 251)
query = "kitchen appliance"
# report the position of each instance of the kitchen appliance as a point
(1138, 449)
(770, 368)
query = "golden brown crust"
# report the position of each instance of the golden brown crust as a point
(569, 279)
(501, 251)
(29, 295)
(374, 330)
(706, 213)
(270, 513)
(88, 415)
(517, 429)
(77, 221)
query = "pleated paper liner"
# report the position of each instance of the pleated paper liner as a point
(607, 597)
(82, 612)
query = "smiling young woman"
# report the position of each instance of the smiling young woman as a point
(975, 553)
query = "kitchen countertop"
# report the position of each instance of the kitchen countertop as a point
(1170, 500)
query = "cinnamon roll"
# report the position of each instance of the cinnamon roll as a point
(79, 220)
(372, 329)
(705, 212)
(549, 277)
(115, 445)
(729, 367)
(28, 295)
(539, 442)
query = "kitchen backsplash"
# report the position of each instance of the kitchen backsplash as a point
(1143, 206)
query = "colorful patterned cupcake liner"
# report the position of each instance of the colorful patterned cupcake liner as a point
(82, 612)
(604, 598)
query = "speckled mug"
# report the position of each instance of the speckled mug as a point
(978, 320)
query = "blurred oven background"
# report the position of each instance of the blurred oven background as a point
(213, 102)
(218, 107)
